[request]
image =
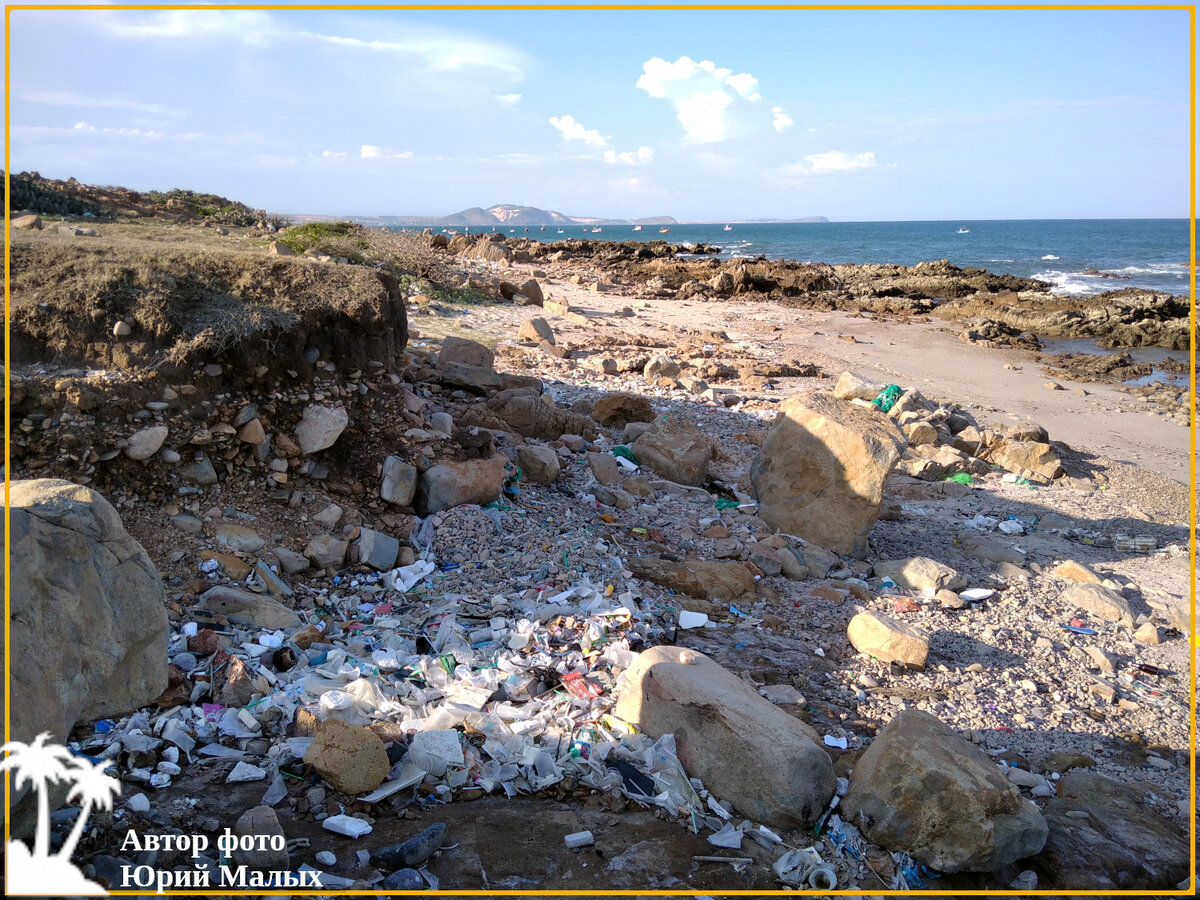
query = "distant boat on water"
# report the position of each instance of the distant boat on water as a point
(963, 230)
(596, 230)
(664, 231)
(560, 231)
(637, 227)
(729, 228)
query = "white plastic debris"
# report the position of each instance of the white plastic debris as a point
(729, 836)
(977, 594)
(405, 577)
(840, 742)
(579, 839)
(243, 771)
(347, 826)
(689, 619)
(1011, 526)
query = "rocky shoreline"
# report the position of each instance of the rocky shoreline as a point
(334, 503)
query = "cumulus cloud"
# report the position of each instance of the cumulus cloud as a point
(831, 161)
(638, 157)
(370, 151)
(574, 131)
(335, 154)
(782, 120)
(508, 99)
(701, 92)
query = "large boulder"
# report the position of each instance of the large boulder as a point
(536, 416)
(677, 450)
(1103, 836)
(821, 470)
(469, 353)
(539, 465)
(320, 427)
(744, 748)
(399, 481)
(535, 329)
(618, 410)
(919, 573)
(1034, 460)
(922, 789)
(351, 758)
(88, 621)
(485, 380)
(454, 483)
(699, 578)
(885, 638)
(1099, 601)
(244, 608)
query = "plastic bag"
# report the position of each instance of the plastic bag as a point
(887, 397)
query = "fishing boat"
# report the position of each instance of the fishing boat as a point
(729, 228)
(560, 231)
(664, 231)
(637, 227)
(596, 230)
(963, 230)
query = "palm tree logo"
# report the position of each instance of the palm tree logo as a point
(38, 764)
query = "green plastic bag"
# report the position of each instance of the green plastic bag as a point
(722, 503)
(961, 478)
(625, 453)
(887, 397)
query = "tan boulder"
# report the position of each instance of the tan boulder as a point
(1076, 572)
(677, 450)
(922, 789)
(469, 353)
(1099, 601)
(536, 329)
(351, 758)
(703, 579)
(821, 470)
(244, 608)
(618, 410)
(854, 387)
(535, 416)
(745, 749)
(885, 638)
(918, 573)
(1035, 461)
(539, 465)
(454, 483)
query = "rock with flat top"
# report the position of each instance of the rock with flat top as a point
(470, 353)
(244, 608)
(399, 484)
(145, 443)
(702, 579)
(677, 450)
(1099, 601)
(539, 465)
(451, 484)
(854, 387)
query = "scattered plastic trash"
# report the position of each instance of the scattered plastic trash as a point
(1011, 526)
(961, 478)
(621, 451)
(840, 742)
(347, 826)
(724, 503)
(1142, 543)
(1075, 629)
(975, 595)
(729, 837)
(689, 619)
(579, 839)
(887, 397)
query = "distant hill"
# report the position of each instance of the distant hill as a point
(507, 214)
(511, 215)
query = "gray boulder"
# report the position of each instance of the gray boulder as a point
(88, 621)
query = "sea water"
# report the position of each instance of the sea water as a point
(1151, 254)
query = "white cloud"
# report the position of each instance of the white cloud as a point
(370, 151)
(574, 131)
(639, 157)
(508, 99)
(69, 98)
(431, 49)
(249, 27)
(831, 161)
(701, 92)
(334, 154)
(746, 85)
(782, 120)
(124, 132)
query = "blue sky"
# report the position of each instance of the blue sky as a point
(855, 115)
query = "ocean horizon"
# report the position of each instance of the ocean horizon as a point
(1076, 257)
